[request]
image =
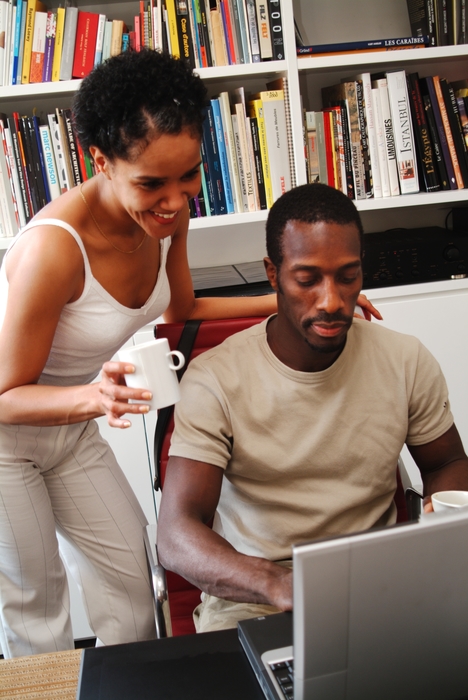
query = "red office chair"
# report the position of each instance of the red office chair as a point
(192, 339)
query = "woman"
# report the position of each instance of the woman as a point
(95, 265)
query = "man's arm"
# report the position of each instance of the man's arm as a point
(443, 464)
(188, 545)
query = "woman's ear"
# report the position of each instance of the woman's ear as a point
(101, 161)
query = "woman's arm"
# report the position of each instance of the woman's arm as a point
(42, 279)
(184, 305)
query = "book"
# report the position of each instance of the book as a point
(224, 8)
(225, 109)
(214, 174)
(362, 121)
(463, 113)
(250, 13)
(99, 40)
(435, 140)
(428, 88)
(243, 32)
(283, 84)
(251, 153)
(85, 43)
(345, 92)
(49, 160)
(343, 47)
(19, 70)
(456, 127)
(276, 132)
(442, 38)
(380, 141)
(16, 41)
(32, 7)
(276, 27)
(263, 28)
(223, 158)
(330, 148)
(72, 146)
(255, 108)
(106, 43)
(236, 30)
(448, 132)
(59, 29)
(258, 163)
(365, 79)
(172, 27)
(427, 168)
(3, 29)
(392, 165)
(184, 32)
(68, 43)
(422, 19)
(245, 164)
(38, 47)
(58, 152)
(40, 176)
(65, 148)
(28, 163)
(11, 206)
(116, 37)
(51, 30)
(403, 132)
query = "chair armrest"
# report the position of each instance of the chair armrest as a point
(158, 584)
(412, 483)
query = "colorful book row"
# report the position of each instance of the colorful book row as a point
(38, 162)
(389, 134)
(246, 152)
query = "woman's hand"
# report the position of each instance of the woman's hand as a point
(115, 394)
(368, 308)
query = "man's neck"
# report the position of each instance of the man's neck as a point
(293, 350)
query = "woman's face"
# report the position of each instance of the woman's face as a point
(156, 185)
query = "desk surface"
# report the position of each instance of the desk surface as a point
(41, 677)
(195, 667)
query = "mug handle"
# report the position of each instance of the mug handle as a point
(179, 356)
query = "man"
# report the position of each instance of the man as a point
(291, 430)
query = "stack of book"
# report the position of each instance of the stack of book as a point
(246, 151)
(389, 134)
(38, 162)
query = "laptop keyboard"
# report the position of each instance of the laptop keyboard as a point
(284, 675)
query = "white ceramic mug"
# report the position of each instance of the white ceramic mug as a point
(154, 370)
(447, 500)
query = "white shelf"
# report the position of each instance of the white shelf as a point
(439, 54)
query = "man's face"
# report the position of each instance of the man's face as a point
(318, 284)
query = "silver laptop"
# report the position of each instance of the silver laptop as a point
(380, 615)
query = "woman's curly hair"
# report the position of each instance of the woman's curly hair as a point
(123, 102)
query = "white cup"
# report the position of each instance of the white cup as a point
(154, 370)
(447, 500)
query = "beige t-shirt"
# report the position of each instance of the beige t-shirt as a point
(308, 454)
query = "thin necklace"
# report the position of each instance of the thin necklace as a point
(127, 252)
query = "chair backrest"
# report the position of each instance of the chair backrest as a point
(192, 339)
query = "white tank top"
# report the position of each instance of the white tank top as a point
(92, 328)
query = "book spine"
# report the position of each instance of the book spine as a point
(373, 44)
(207, 181)
(68, 46)
(456, 128)
(243, 31)
(371, 134)
(58, 152)
(172, 26)
(251, 155)
(51, 31)
(19, 71)
(183, 33)
(20, 169)
(10, 194)
(263, 28)
(58, 44)
(28, 38)
(368, 175)
(438, 155)
(253, 30)
(219, 42)
(380, 140)
(99, 40)
(420, 18)
(38, 48)
(241, 161)
(219, 129)
(225, 109)
(236, 30)
(16, 42)
(276, 28)
(463, 114)
(65, 148)
(340, 151)
(204, 187)
(448, 133)
(72, 146)
(429, 180)
(256, 111)
(49, 159)
(205, 47)
(41, 173)
(275, 121)
(321, 147)
(28, 164)
(223, 7)
(197, 34)
(403, 132)
(258, 163)
(85, 44)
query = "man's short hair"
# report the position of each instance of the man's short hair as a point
(308, 204)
